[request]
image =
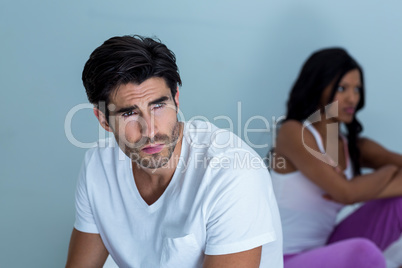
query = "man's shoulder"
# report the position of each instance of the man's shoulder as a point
(223, 154)
(102, 163)
(205, 137)
(105, 150)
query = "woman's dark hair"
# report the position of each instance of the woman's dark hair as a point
(323, 68)
(125, 59)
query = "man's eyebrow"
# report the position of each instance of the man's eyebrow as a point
(126, 109)
(134, 107)
(161, 99)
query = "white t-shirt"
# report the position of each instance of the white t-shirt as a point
(219, 201)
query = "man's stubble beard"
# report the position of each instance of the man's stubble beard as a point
(157, 160)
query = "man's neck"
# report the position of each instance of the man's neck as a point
(151, 183)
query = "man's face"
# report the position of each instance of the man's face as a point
(143, 119)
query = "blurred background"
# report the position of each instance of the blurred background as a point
(237, 59)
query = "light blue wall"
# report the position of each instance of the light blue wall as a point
(227, 52)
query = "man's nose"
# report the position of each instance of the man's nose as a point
(148, 126)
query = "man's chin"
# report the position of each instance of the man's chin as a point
(153, 162)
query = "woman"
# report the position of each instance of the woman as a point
(321, 172)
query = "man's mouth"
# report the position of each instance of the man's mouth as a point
(153, 148)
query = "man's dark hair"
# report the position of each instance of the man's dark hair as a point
(127, 59)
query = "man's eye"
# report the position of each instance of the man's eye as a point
(130, 113)
(159, 105)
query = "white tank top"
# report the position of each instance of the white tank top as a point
(307, 218)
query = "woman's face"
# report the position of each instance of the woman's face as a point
(346, 98)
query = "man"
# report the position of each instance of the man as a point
(169, 194)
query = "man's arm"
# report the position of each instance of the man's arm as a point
(250, 259)
(86, 250)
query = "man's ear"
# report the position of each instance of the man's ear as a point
(176, 99)
(102, 119)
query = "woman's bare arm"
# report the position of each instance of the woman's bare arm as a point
(373, 155)
(393, 188)
(361, 188)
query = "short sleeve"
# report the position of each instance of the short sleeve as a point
(241, 217)
(84, 219)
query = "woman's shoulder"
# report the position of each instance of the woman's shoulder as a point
(294, 134)
(293, 128)
(289, 131)
(290, 126)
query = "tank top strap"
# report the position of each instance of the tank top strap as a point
(349, 168)
(316, 135)
(345, 145)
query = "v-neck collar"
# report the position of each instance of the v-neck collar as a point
(133, 187)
